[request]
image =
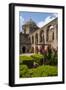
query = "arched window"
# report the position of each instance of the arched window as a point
(48, 28)
(57, 32)
(23, 49)
(50, 33)
(29, 39)
(32, 50)
(53, 36)
(36, 49)
(41, 36)
(36, 38)
(32, 39)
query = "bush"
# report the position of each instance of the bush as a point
(38, 58)
(23, 71)
(41, 71)
(49, 70)
(44, 71)
(27, 60)
(54, 59)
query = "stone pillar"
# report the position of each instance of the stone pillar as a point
(55, 33)
(34, 43)
(45, 36)
(38, 37)
(38, 40)
(56, 36)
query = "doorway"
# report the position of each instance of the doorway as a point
(24, 49)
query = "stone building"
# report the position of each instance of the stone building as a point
(33, 38)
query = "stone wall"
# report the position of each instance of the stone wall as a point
(47, 35)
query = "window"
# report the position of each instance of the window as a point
(41, 36)
(36, 38)
(32, 39)
(53, 36)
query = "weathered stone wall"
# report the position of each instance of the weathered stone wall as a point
(46, 35)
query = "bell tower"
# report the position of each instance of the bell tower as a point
(29, 26)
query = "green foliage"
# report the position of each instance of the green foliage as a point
(41, 71)
(54, 59)
(44, 71)
(25, 57)
(38, 58)
(23, 71)
(27, 60)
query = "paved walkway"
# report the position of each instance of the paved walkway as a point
(28, 54)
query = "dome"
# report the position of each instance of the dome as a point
(31, 26)
(30, 22)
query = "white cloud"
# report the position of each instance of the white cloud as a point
(21, 22)
(47, 20)
(55, 14)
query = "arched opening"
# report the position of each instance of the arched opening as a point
(48, 28)
(32, 50)
(50, 33)
(53, 36)
(24, 49)
(42, 36)
(36, 49)
(36, 38)
(32, 39)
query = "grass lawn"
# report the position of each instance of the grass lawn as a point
(41, 71)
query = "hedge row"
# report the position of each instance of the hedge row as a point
(48, 59)
(29, 60)
(41, 71)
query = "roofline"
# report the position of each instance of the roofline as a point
(45, 25)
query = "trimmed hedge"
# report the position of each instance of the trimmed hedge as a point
(41, 71)
(27, 60)
(23, 71)
(44, 71)
(38, 58)
(30, 60)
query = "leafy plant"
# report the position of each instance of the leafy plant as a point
(41, 71)
(23, 71)
(27, 60)
(38, 58)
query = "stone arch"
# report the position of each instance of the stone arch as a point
(23, 49)
(36, 49)
(32, 50)
(53, 36)
(50, 33)
(32, 39)
(36, 38)
(41, 36)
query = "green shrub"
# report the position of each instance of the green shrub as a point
(24, 71)
(27, 60)
(43, 71)
(54, 59)
(25, 57)
(51, 58)
(49, 70)
(38, 58)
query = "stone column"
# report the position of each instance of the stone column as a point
(34, 43)
(45, 35)
(55, 33)
(38, 40)
(38, 37)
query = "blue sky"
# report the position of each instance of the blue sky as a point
(38, 17)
